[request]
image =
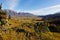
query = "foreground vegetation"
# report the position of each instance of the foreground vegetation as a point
(29, 29)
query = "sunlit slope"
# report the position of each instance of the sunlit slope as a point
(27, 29)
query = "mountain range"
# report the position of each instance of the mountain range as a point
(51, 16)
(19, 14)
(25, 14)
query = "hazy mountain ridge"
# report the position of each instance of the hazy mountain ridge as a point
(17, 14)
(51, 16)
(25, 14)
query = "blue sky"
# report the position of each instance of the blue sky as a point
(37, 7)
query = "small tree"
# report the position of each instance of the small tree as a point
(0, 6)
(9, 17)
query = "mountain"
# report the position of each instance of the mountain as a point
(19, 14)
(10, 12)
(23, 14)
(51, 16)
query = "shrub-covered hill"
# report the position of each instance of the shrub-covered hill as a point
(27, 29)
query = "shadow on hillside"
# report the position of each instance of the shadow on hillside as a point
(53, 29)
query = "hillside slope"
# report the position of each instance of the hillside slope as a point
(27, 29)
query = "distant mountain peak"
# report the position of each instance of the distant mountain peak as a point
(21, 14)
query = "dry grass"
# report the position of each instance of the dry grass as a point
(29, 33)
